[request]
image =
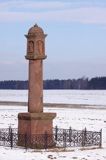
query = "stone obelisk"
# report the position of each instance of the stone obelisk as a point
(35, 122)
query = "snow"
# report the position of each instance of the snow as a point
(90, 97)
(13, 95)
(92, 119)
(18, 154)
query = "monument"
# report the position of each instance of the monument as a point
(35, 122)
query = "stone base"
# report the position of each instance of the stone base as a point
(36, 129)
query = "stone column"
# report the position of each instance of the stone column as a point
(35, 95)
(34, 124)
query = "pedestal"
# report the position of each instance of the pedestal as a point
(36, 129)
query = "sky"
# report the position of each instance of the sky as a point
(76, 41)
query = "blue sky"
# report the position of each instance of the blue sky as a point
(76, 41)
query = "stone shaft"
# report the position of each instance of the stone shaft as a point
(35, 94)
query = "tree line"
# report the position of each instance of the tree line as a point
(81, 83)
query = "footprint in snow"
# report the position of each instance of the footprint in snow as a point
(75, 157)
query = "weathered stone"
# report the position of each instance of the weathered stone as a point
(35, 124)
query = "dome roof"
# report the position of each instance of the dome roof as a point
(35, 29)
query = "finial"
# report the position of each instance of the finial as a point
(35, 25)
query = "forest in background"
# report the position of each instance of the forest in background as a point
(81, 83)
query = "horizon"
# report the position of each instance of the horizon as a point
(75, 44)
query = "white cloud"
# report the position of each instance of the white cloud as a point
(61, 11)
(49, 4)
(90, 15)
(23, 5)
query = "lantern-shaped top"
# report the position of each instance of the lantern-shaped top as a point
(35, 43)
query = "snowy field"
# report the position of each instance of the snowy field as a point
(92, 119)
(92, 97)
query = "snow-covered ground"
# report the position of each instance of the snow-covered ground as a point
(76, 118)
(92, 97)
